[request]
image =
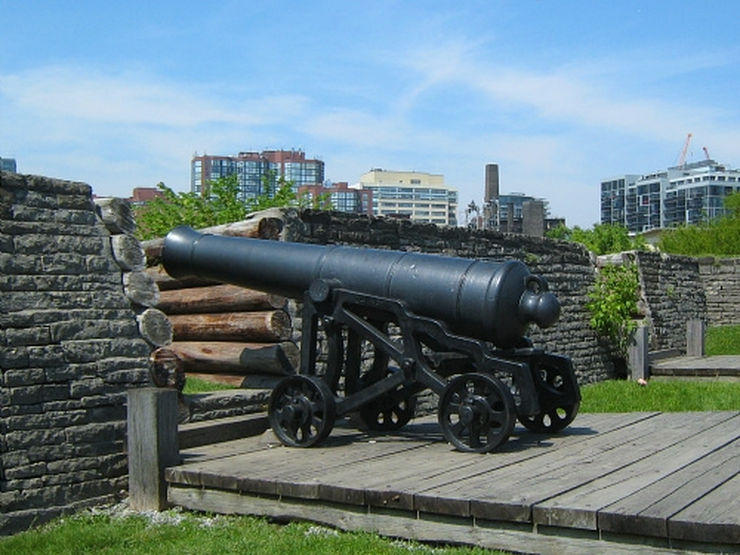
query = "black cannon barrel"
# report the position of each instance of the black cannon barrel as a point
(493, 301)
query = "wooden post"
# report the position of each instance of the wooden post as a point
(637, 354)
(695, 331)
(152, 445)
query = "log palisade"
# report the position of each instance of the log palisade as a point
(223, 333)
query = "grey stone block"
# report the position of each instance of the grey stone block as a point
(38, 393)
(29, 438)
(24, 377)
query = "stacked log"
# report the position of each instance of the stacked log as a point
(222, 333)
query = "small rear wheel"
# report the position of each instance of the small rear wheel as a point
(551, 421)
(301, 411)
(558, 413)
(388, 412)
(476, 412)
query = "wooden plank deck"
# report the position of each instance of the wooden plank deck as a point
(610, 482)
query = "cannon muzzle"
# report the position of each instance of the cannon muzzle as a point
(492, 301)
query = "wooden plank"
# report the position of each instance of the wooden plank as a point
(712, 518)
(442, 492)
(646, 512)
(390, 479)
(522, 446)
(223, 429)
(293, 471)
(401, 524)
(578, 507)
(523, 485)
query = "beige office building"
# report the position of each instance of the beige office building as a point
(422, 197)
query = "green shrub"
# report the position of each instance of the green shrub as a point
(613, 304)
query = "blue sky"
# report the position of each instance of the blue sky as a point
(560, 94)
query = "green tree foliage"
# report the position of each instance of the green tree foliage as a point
(720, 236)
(602, 239)
(613, 304)
(219, 204)
(276, 192)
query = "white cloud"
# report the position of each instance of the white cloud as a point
(133, 98)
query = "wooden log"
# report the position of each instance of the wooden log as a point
(155, 327)
(166, 369)
(237, 358)
(267, 326)
(140, 288)
(167, 283)
(266, 224)
(128, 253)
(217, 298)
(116, 214)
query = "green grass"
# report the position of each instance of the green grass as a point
(664, 396)
(196, 385)
(723, 340)
(175, 532)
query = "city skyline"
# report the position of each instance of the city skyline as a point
(559, 95)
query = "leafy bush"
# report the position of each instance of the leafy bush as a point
(720, 236)
(602, 239)
(613, 304)
(219, 204)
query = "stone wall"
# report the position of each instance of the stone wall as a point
(568, 268)
(672, 290)
(721, 281)
(69, 349)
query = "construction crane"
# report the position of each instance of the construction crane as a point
(706, 153)
(682, 159)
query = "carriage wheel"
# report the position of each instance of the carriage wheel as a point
(555, 418)
(476, 412)
(301, 411)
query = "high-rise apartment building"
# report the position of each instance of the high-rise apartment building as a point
(340, 196)
(8, 165)
(686, 194)
(254, 168)
(422, 197)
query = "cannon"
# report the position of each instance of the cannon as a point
(398, 323)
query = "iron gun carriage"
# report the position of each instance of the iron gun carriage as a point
(453, 325)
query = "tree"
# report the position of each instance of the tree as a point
(218, 204)
(602, 239)
(720, 236)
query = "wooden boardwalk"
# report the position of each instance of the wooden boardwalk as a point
(724, 366)
(619, 483)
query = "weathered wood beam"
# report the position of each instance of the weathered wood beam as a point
(266, 224)
(236, 357)
(152, 445)
(266, 326)
(217, 298)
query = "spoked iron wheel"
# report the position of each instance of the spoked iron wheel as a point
(301, 411)
(388, 412)
(558, 415)
(476, 412)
